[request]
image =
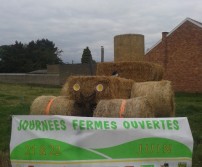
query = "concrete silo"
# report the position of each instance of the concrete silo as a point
(128, 47)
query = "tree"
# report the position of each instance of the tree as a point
(13, 57)
(28, 57)
(87, 57)
(43, 52)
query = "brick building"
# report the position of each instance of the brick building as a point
(180, 53)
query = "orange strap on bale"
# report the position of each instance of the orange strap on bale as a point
(122, 108)
(47, 110)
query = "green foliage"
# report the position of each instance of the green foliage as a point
(87, 57)
(28, 57)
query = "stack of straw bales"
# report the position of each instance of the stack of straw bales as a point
(82, 100)
(138, 107)
(110, 96)
(113, 88)
(159, 94)
(138, 71)
(52, 105)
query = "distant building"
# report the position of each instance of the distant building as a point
(180, 53)
(66, 70)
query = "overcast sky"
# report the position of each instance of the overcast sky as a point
(74, 24)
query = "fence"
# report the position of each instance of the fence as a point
(43, 79)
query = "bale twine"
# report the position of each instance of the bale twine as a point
(124, 108)
(51, 105)
(92, 89)
(159, 94)
(138, 71)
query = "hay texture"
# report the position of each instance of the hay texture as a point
(64, 90)
(94, 88)
(159, 94)
(138, 107)
(138, 71)
(60, 105)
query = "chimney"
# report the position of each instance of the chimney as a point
(102, 54)
(164, 35)
(165, 49)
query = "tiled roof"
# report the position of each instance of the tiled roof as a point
(197, 23)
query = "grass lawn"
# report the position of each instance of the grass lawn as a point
(16, 100)
(190, 105)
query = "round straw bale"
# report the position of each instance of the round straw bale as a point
(128, 108)
(159, 94)
(64, 90)
(51, 105)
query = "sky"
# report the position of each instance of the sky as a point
(75, 24)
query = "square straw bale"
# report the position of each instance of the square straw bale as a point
(113, 88)
(138, 71)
